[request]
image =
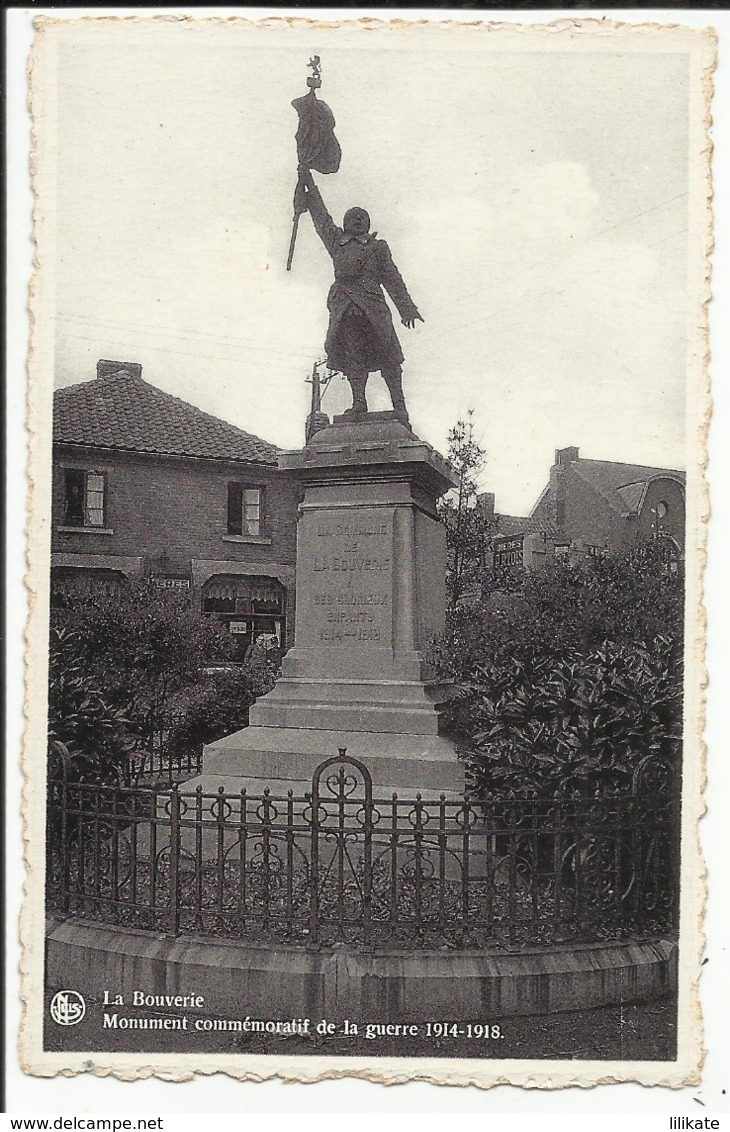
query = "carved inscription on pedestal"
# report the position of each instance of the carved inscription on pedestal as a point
(350, 571)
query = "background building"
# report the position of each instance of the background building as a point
(517, 540)
(592, 508)
(147, 485)
(604, 506)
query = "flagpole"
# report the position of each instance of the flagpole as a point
(292, 242)
(314, 81)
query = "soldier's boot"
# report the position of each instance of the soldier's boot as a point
(393, 378)
(358, 380)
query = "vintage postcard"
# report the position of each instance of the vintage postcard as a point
(368, 401)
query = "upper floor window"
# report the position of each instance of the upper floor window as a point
(244, 510)
(84, 498)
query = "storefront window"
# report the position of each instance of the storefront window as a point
(253, 609)
(73, 585)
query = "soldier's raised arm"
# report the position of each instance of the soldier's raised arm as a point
(329, 233)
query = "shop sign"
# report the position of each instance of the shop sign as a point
(508, 551)
(165, 583)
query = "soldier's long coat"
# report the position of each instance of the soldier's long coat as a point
(363, 265)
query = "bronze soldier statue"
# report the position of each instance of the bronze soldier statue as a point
(361, 337)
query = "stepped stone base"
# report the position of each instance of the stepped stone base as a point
(385, 706)
(286, 758)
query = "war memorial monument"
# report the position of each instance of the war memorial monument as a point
(371, 555)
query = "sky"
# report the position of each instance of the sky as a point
(535, 199)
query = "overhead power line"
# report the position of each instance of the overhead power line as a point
(554, 255)
(186, 353)
(530, 294)
(147, 328)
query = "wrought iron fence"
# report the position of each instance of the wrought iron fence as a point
(161, 765)
(337, 865)
(157, 761)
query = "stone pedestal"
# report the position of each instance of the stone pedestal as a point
(370, 593)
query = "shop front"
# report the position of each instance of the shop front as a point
(74, 585)
(254, 611)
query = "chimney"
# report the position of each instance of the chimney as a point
(105, 368)
(565, 456)
(485, 503)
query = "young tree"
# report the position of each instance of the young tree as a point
(466, 525)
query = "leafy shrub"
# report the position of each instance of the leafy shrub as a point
(218, 705)
(628, 599)
(142, 645)
(567, 676)
(124, 664)
(87, 733)
(584, 721)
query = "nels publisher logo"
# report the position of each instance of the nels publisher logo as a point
(67, 1008)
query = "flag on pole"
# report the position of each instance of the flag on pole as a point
(317, 146)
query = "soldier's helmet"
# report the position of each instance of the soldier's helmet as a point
(356, 221)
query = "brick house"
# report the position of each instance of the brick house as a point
(593, 507)
(147, 485)
(606, 506)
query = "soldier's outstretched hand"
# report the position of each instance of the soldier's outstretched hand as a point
(411, 322)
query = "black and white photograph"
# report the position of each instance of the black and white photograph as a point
(368, 405)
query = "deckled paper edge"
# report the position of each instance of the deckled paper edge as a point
(388, 1071)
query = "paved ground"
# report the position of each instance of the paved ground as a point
(645, 1032)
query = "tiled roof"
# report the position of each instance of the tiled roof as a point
(621, 485)
(122, 411)
(525, 525)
